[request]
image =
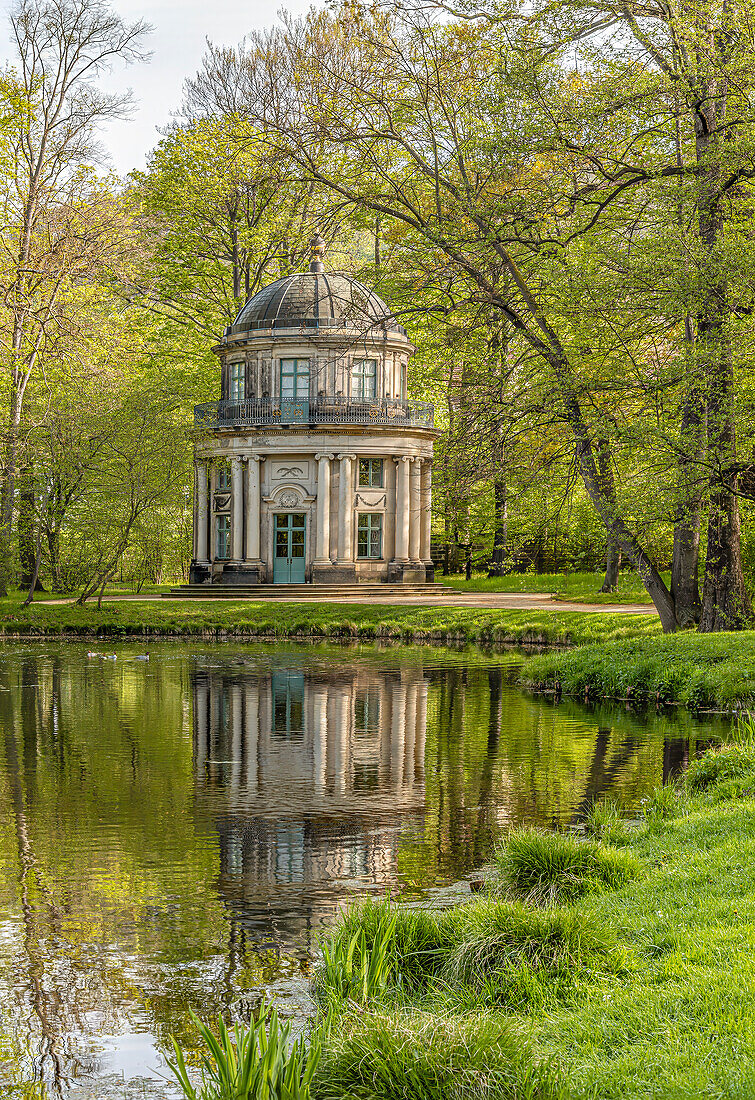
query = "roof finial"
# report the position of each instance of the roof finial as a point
(316, 253)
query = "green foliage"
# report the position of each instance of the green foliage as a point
(574, 587)
(726, 762)
(358, 968)
(549, 868)
(258, 1062)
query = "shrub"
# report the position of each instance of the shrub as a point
(258, 1062)
(549, 868)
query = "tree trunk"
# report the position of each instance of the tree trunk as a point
(9, 489)
(53, 551)
(27, 540)
(613, 562)
(500, 527)
(726, 605)
(686, 555)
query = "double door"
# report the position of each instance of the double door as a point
(290, 543)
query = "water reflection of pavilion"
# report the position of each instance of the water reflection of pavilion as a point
(307, 773)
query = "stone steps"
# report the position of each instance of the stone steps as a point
(309, 592)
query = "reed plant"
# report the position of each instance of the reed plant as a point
(357, 963)
(259, 1062)
(555, 868)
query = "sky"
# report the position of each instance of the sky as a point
(177, 42)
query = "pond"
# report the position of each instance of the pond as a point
(175, 832)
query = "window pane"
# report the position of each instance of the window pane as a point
(370, 536)
(302, 379)
(364, 471)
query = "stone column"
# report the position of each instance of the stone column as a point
(402, 509)
(253, 508)
(237, 489)
(345, 510)
(202, 488)
(426, 518)
(323, 508)
(415, 508)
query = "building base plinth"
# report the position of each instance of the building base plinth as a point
(407, 572)
(333, 574)
(200, 572)
(241, 573)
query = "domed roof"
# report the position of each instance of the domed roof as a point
(313, 299)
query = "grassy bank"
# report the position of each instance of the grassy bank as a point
(618, 965)
(243, 619)
(695, 670)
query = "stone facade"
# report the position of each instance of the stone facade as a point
(313, 466)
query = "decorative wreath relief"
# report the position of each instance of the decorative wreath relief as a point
(288, 500)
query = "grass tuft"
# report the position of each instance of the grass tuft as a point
(554, 868)
(414, 1055)
(491, 951)
(605, 822)
(734, 761)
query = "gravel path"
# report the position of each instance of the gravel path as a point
(449, 597)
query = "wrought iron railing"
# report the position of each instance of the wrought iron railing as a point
(318, 324)
(322, 410)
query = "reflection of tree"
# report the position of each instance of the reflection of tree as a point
(45, 1003)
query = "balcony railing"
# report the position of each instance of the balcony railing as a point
(310, 324)
(323, 410)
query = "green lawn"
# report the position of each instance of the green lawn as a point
(580, 587)
(245, 619)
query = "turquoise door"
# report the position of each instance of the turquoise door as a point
(288, 567)
(294, 390)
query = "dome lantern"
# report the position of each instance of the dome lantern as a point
(316, 254)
